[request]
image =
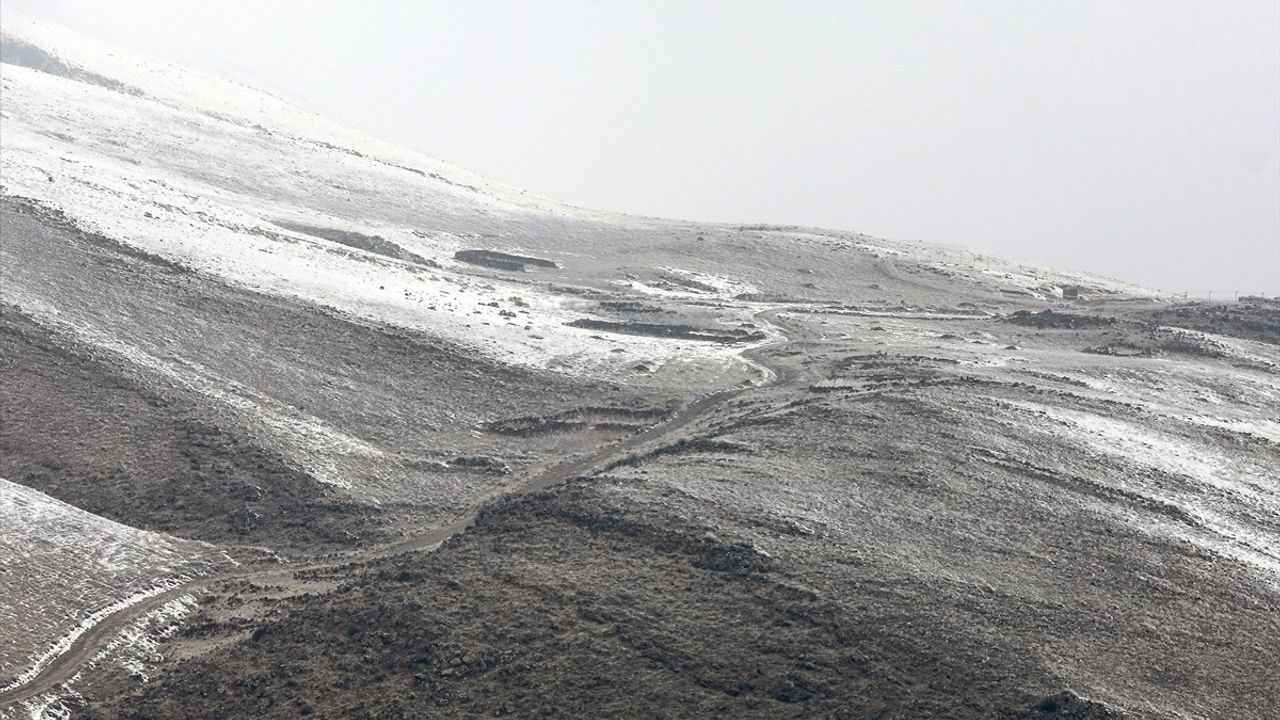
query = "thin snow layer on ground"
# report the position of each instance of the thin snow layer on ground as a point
(139, 644)
(906, 329)
(1239, 400)
(1247, 352)
(227, 101)
(199, 170)
(64, 568)
(209, 224)
(1230, 499)
(956, 269)
(683, 283)
(317, 444)
(135, 648)
(1008, 274)
(955, 263)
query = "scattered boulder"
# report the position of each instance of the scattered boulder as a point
(1052, 319)
(375, 244)
(1065, 705)
(678, 332)
(501, 261)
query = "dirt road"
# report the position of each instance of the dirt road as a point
(65, 666)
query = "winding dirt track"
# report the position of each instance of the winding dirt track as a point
(65, 666)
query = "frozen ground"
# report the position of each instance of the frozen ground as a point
(823, 474)
(201, 171)
(64, 568)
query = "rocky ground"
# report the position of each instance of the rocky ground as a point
(297, 423)
(975, 509)
(575, 603)
(881, 534)
(89, 434)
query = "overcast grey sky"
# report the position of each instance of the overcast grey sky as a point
(1135, 139)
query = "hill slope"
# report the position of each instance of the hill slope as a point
(678, 469)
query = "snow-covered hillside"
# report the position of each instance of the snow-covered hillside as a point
(784, 465)
(64, 568)
(213, 175)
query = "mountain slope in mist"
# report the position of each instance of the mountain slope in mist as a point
(372, 436)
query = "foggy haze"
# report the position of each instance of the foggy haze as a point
(1135, 140)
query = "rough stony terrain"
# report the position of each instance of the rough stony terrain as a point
(296, 423)
(881, 534)
(80, 430)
